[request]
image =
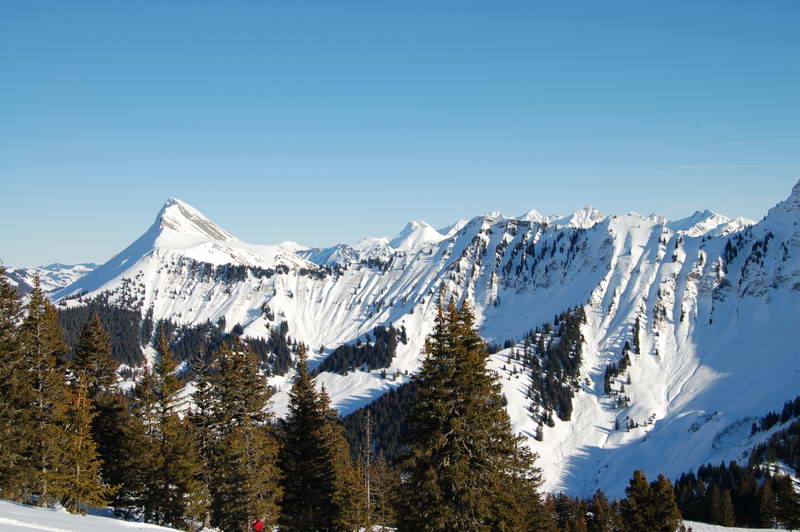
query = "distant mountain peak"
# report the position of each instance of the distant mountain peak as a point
(180, 217)
(584, 218)
(415, 234)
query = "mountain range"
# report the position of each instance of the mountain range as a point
(682, 332)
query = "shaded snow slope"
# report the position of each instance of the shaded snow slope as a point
(21, 518)
(711, 298)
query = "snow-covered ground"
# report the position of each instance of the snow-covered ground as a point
(712, 296)
(21, 518)
(704, 527)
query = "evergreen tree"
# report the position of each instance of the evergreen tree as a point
(11, 373)
(92, 362)
(636, 508)
(175, 489)
(766, 504)
(44, 397)
(348, 489)
(664, 508)
(244, 475)
(308, 471)
(466, 469)
(80, 481)
(787, 504)
(601, 518)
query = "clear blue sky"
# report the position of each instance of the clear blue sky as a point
(323, 122)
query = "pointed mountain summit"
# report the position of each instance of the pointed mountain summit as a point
(180, 217)
(181, 230)
(415, 235)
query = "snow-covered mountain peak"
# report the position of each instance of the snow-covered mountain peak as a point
(534, 216)
(790, 207)
(180, 217)
(415, 235)
(582, 219)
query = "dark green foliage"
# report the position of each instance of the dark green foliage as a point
(365, 355)
(237, 442)
(389, 423)
(123, 325)
(11, 451)
(92, 363)
(47, 448)
(190, 341)
(308, 460)
(465, 468)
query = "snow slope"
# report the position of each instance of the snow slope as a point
(711, 297)
(21, 518)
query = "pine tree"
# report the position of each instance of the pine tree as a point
(244, 475)
(601, 518)
(11, 372)
(80, 482)
(766, 504)
(93, 365)
(201, 418)
(636, 508)
(44, 395)
(307, 466)
(664, 508)
(92, 362)
(175, 488)
(787, 505)
(384, 492)
(466, 469)
(348, 489)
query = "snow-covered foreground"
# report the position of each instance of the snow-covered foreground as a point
(703, 527)
(21, 518)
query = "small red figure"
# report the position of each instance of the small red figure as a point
(258, 525)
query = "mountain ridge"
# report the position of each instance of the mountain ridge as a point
(686, 304)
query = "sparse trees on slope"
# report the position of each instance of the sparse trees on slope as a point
(466, 469)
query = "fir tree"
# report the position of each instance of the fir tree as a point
(602, 518)
(244, 475)
(45, 397)
(80, 482)
(11, 381)
(308, 471)
(92, 362)
(174, 487)
(664, 509)
(636, 508)
(466, 469)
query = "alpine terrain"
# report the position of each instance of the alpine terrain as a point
(623, 342)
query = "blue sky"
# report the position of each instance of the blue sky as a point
(323, 122)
